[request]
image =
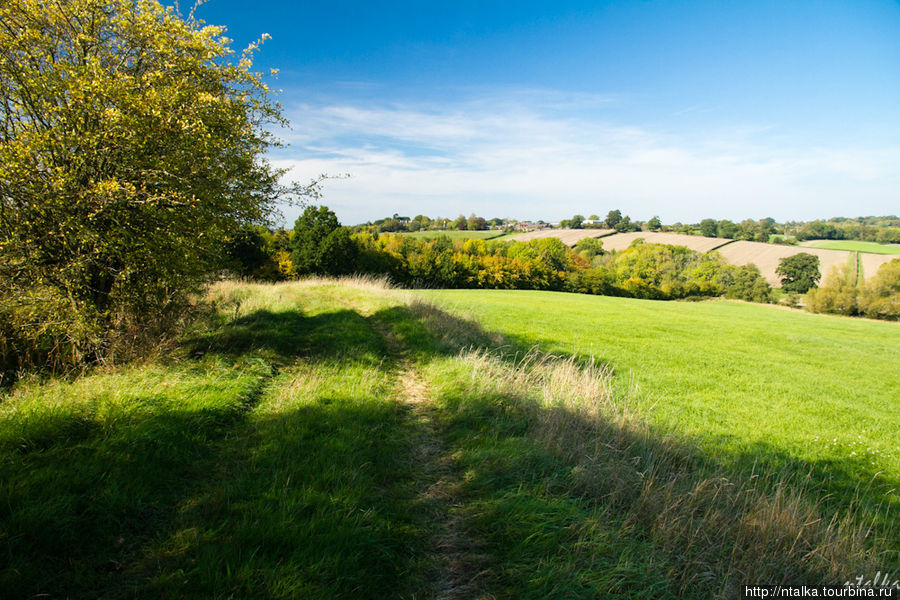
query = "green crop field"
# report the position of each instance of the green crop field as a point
(854, 246)
(459, 235)
(325, 439)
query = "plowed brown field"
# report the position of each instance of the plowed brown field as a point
(764, 256)
(870, 263)
(569, 237)
(620, 241)
(767, 257)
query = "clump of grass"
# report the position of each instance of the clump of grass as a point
(452, 331)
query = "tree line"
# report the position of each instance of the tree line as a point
(319, 245)
(884, 230)
(842, 293)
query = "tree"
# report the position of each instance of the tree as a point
(726, 229)
(708, 227)
(577, 222)
(246, 250)
(748, 230)
(588, 248)
(799, 272)
(766, 229)
(131, 145)
(747, 283)
(881, 296)
(337, 253)
(613, 217)
(625, 225)
(654, 224)
(475, 223)
(320, 245)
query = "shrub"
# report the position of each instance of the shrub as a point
(838, 295)
(880, 298)
(131, 148)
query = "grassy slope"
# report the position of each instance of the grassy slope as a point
(273, 466)
(753, 380)
(853, 246)
(320, 441)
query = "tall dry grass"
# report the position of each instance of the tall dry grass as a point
(722, 528)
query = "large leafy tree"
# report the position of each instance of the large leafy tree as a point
(131, 145)
(799, 272)
(613, 217)
(320, 245)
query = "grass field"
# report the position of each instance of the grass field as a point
(853, 246)
(752, 380)
(454, 234)
(346, 440)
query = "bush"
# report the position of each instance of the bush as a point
(838, 295)
(880, 298)
(131, 148)
(746, 283)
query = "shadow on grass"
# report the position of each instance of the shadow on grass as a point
(286, 336)
(578, 507)
(322, 500)
(685, 523)
(74, 510)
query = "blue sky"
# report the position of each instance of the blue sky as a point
(537, 110)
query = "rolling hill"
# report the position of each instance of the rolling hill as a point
(326, 439)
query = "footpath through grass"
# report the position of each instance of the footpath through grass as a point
(346, 440)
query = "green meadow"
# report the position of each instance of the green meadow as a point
(325, 439)
(854, 246)
(752, 379)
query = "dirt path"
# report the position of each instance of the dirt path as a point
(453, 554)
(454, 557)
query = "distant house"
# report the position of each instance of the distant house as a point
(593, 222)
(529, 226)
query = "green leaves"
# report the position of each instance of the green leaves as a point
(799, 272)
(130, 146)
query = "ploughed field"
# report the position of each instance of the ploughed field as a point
(323, 439)
(768, 256)
(570, 237)
(698, 243)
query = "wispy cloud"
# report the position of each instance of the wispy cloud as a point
(547, 155)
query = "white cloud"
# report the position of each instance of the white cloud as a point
(533, 156)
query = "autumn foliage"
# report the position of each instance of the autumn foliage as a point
(131, 145)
